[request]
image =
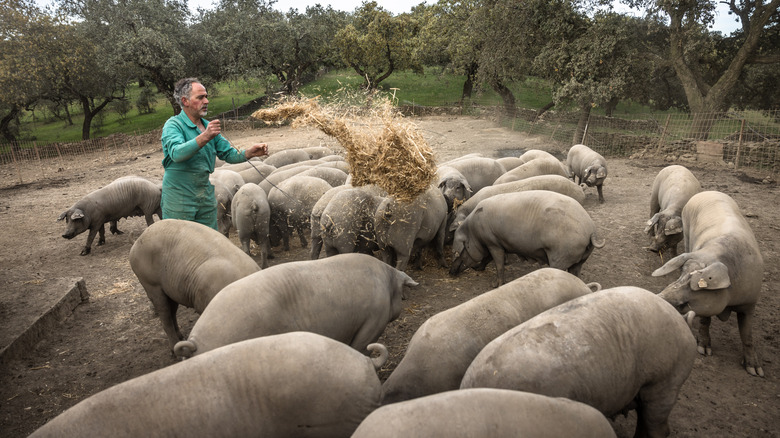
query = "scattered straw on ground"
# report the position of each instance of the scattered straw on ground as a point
(382, 148)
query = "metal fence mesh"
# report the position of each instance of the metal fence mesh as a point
(746, 141)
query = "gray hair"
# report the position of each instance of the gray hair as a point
(183, 88)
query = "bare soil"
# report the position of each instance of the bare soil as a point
(115, 335)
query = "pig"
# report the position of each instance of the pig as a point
(287, 156)
(532, 154)
(510, 163)
(453, 185)
(588, 166)
(619, 349)
(721, 271)
(230, 178)
(403, 229)
(672, 188)
(539, 225)
(443, 347)
(183, 262)
(251, 388)
(333, 176)
(291, 203)
(279, 175)
(535, 167)
(347, 223)
(350, 298)
(251, 216)
(124, 197)
(479, 171)
(256, 174)
(555, 183)
(485, 412)
(224, 196)
(317, 152)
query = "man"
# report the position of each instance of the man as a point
(190, 146)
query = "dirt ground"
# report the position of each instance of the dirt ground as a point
(115, 336)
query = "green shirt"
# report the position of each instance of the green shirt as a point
(181, 152)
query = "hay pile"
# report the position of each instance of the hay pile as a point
(381, 148)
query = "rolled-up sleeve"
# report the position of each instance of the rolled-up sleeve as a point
(175, 145)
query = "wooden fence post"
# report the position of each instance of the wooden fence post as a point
(739, 145)
(59, 154)
(16, 164)
(663, 133)
(38, 156)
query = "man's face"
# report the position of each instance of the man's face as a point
(198, 102)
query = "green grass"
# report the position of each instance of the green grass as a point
(46, 128)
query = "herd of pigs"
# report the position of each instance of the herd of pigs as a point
(290, 350)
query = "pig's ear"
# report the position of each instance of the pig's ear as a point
(77, 214)
(672, 265)
(62, 216)
(652, 221)
(714, 276)
(673, 226)
(601, 172)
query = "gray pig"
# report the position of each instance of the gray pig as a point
(619, 349)
(252, 217)
(232, 179)
(479, 171)
(183, 262)
(403, 229)
(290, 385)
(257, 174)
(445, 345)
(347, 223)
(539, 225)
(287, 156)
(588, 165)
(485, 412)
(350, 298)
(535, 167)
(224, 196)
(124, 197)
(722, 270)
(334, 176)
(291, 203)
(277, 176)
(672, 188)
(453, 185)
(555, 183)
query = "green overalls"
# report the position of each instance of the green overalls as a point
(187, 192)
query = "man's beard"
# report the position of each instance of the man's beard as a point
(204, 111)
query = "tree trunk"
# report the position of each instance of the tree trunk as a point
(89, 113)
(543, 110)
(5, 126)
(582, 124)
(506, 96)
(468, 85)
(610, 106)
(702, 97)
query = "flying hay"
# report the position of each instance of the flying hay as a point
(381, 149)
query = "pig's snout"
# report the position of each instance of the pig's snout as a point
(69, 235)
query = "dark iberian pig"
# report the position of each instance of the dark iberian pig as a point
(617, 349)
(485, 412)
(538, 225)
(290, 385)
(124, 197)
(348, 297)
(672, 188)
(443, 347)
(184, 262)
(721, 271)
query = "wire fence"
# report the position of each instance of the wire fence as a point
(747, 141)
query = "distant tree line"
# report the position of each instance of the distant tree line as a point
(89, 51)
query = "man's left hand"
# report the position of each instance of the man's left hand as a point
(256, 150)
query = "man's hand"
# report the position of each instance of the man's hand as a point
(213, 129)
(256, 150)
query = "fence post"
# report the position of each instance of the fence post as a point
(59, 154)
(739, 145)
(38, 156)
(16, 164)
(663, 133)
(105, 148)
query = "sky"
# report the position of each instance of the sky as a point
(723, 22)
